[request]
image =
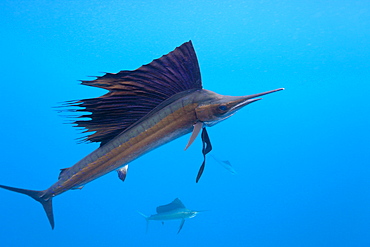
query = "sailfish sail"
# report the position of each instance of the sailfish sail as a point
(133, 94)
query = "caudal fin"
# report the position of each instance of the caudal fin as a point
(147, 220)
(38, 196)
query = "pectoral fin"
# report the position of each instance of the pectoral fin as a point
(207, 147)
(197, 127)
(181, 225)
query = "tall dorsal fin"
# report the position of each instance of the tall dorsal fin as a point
(176, 204)
(133, 94)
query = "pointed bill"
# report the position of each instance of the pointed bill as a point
(242, 101)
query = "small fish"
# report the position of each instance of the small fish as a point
(142, 110)
(172, 211)
(122, 172)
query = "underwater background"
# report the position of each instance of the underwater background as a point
(302, 155)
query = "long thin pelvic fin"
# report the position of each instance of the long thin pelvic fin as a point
(197, 127)
(181, 225)
(38, 196)
(207, 147)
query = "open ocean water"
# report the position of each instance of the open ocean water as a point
(302, 155)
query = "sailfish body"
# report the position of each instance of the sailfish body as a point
(172, 211)
(143, 109)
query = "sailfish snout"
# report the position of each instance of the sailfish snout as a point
(221, 107)
(245, 100)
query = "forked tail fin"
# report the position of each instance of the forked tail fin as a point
(38, 196)
(147, 221)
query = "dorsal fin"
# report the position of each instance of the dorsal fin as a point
(176, 204)
(133, 94)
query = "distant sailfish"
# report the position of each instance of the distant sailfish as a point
(226, 164)
(172, 211)
(142, 110)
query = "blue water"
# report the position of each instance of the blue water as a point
(302, 155)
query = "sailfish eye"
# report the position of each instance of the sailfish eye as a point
(222, 107)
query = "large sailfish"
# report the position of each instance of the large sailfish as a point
(142, 110)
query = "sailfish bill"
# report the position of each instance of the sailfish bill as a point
(141, 110)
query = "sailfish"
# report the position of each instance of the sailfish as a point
(175, 210)
(142, 110)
